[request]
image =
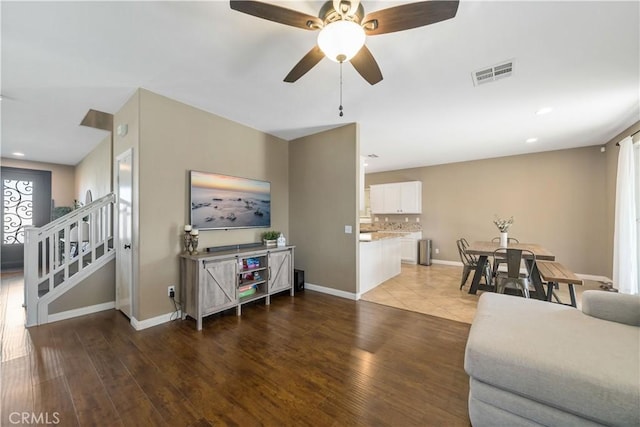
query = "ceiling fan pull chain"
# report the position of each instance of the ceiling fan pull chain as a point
(340, 108)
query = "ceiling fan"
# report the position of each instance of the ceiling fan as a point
(344, 26)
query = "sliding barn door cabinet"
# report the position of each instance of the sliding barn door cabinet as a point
(212, 282)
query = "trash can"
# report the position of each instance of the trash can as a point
(424, 252)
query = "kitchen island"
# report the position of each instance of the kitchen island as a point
(380, 258)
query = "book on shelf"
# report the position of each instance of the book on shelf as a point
(246, 293)
(246, 288)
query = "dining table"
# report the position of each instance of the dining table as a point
(483, 250)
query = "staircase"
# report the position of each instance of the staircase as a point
(60, 255)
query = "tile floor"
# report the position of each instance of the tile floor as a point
(434, 290)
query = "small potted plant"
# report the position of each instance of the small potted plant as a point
(269, 238)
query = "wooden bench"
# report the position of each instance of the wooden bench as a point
(553, 273)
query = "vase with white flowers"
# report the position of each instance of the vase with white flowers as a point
(503, 225)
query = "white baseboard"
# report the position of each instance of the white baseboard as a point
(444, 262)
(63, 315)
(331, 291)
(603, 279)
(139, 325)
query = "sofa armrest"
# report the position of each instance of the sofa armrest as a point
(612, 306)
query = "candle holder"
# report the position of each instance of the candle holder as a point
(194, 244)
(187, 243)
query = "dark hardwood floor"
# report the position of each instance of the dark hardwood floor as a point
(312, 360)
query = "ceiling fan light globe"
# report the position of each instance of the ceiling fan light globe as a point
(341, 40)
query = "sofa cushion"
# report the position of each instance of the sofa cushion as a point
(612, 306)
(558, 356)
(492, 406)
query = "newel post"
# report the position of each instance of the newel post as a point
(31, 274)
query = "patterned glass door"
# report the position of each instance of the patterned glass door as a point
(26, 200)
(17, 209)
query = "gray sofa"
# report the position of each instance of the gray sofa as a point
(536, 363)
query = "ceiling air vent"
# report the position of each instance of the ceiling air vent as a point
(493, 73)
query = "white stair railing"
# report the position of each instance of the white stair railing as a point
(62, 253)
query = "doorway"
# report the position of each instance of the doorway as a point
(124, 251)
(26, 201)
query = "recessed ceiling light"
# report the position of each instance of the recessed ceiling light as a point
(366, 164)
(17, 154)
(544, 110)
(530, 140)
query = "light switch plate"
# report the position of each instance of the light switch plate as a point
(347, 229)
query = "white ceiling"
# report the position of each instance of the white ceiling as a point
(582, 58)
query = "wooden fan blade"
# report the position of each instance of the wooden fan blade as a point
(366, 65)
(408, 16)
(278, 14)
(314, 56)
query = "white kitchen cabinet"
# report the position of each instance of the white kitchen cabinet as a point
(396, 198)
(376, 198)
(411, 197)
(409, 248)
(379, 262)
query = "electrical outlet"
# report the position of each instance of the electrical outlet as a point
(171, 291)
(437, 250)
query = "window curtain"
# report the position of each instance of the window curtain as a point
(636, 165)
(625, 238)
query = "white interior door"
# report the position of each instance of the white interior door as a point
(124, 252)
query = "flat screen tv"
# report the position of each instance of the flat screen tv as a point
(223, 202)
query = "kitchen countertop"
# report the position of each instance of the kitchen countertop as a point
(381, 235)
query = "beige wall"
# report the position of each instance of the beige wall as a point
(557, 199)
(94, 172)
(96, 289)
(173, 139)
(324, 198)
(62, 178)
(612, 170)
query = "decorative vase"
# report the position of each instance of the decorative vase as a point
(504, 239)
(194, 244)
(187, 243)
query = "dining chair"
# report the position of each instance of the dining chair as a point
(513, 258)
(470, 262)
(465, 244)
(509, 240)
(497, 262)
